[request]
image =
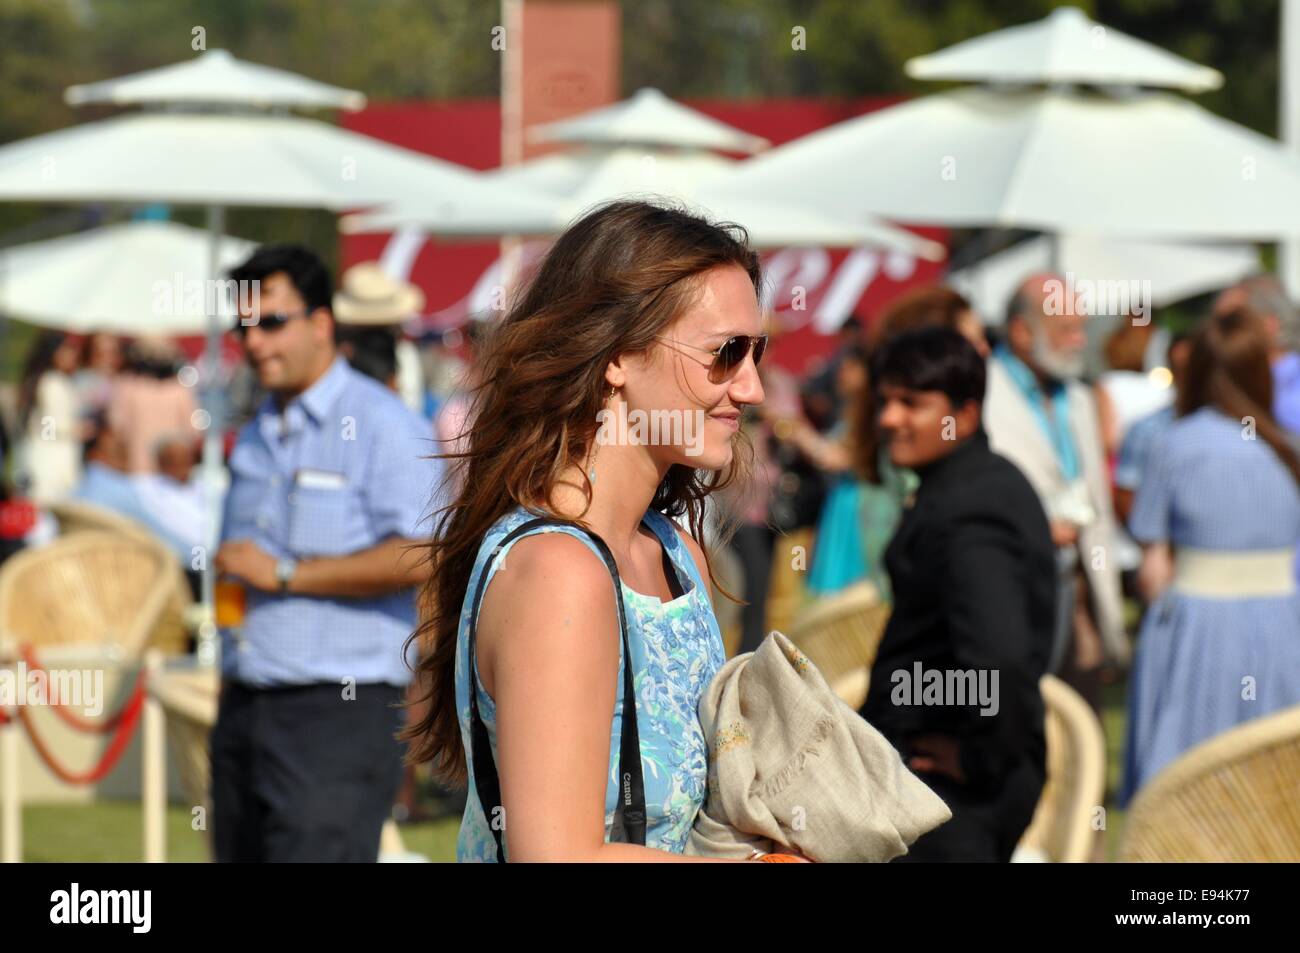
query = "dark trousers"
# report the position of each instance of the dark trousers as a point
(753, 545)
(304, 773)
(982, 830)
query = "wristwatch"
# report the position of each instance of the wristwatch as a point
(284, 570)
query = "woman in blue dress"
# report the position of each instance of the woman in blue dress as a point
(1218, 512)
(611, 397)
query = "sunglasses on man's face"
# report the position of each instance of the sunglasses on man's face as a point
(271, 322)
(729, 355)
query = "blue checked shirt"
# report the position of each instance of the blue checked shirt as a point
(340, 471)
(1135, 451)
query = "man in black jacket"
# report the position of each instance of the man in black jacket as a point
(955, 683)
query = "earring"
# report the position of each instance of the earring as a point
(591, 469)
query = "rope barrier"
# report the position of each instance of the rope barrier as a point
(101, 727)
(121, 724)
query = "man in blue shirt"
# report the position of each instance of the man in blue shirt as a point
(104, 481)
(329, 484)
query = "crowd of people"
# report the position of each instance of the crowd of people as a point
(101, 421)
(1004, 496)
(1205, 482)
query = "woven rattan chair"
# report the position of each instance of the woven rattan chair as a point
(1063, 829)
(1235, 797)
(840, 634)
(189, 699)
(75, 516)
(90, 588)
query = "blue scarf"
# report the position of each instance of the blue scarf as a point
(1056, 425)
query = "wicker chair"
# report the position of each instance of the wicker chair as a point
(1062, 830)
(840, 634)
(93, 587)
(189, 698)
(1235, 797)
(75, 516)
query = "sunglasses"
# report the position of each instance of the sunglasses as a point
(728, 356)
(268, 322)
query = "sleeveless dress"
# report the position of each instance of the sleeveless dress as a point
(676, 651)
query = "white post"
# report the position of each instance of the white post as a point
(207, 642)
(1288, 128)
(153, 770)
(512, 130)
(11, 807)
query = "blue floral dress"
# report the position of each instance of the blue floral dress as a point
(676, 650)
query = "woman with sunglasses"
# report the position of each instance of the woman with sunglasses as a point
(636, 307)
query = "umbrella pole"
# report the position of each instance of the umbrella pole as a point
(208, 645)
(1288, 258)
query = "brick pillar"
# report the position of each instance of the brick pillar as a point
(562, 57)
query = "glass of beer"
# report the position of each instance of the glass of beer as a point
(231, 602)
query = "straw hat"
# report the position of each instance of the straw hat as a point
(370, 297)
(155, 347)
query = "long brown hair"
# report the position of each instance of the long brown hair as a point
(612, 282)
(1228, 369)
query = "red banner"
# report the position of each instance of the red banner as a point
(812, 290)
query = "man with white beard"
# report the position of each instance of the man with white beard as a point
(1041, 416)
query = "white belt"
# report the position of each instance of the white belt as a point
(1235, 575)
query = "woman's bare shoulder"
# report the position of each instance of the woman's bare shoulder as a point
(551, 599)
(548, 557)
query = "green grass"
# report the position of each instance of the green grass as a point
(1114, 701)
(112, 831)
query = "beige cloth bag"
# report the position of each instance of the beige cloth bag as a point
(791, 765)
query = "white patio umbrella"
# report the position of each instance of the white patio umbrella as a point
(254, 159)
(584, 178)
(217, 78)
(214, 158)
(1064, 47)
(649, 118)
(651, 147)
(133, 278)
(1138, 165)
(1175, 270)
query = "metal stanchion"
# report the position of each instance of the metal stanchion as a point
(153, 783)
(11, 808)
